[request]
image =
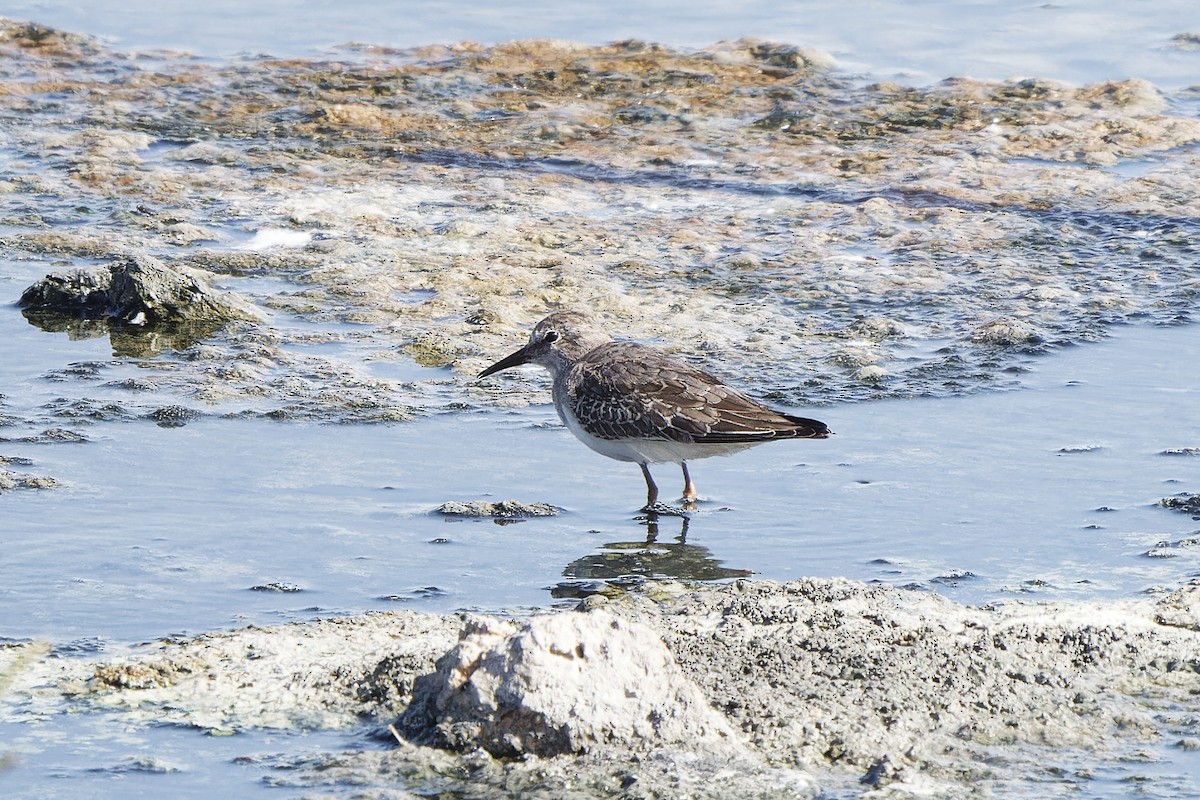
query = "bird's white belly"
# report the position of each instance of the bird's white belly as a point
(646, 451)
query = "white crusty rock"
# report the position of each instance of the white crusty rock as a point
(562, 683)
(1180, 608)
(741, 691)
(321, 674)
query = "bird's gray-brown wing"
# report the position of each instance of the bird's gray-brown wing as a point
(629, 391)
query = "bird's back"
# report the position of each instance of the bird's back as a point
(624, 390)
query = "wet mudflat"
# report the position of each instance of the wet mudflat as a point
(930, 271)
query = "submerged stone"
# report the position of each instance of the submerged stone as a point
(50, 436)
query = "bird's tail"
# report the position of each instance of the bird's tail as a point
(806, 428)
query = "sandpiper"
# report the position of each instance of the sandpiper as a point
(634, 403)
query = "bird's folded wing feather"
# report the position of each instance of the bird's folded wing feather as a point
(642, 394)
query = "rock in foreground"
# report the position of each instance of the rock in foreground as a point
(563, 684)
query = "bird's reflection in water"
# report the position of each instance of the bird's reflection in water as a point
(622, 565)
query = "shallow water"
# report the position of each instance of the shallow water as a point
(1045, 491)
(915, 43)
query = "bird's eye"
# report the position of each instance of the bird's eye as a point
(551, 336)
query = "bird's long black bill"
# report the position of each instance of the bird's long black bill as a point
(515, 360)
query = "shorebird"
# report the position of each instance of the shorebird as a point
(631, 402)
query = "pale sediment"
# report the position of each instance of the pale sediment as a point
(741, 204)
(749, 690)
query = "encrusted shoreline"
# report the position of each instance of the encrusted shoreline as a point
(785, 686)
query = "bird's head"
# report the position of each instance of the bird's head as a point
(555, 343)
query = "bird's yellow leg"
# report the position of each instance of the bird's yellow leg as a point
(689, 488)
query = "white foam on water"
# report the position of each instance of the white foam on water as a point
(275, 238)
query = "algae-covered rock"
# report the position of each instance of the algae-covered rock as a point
(1184, 502)
(145, 305)
(138, 290)
(50, 41)
(504, 509)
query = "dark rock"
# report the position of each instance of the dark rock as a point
(505, 509)
(1186, 503)
(276, 586)
(173, 416)
(144, 305)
